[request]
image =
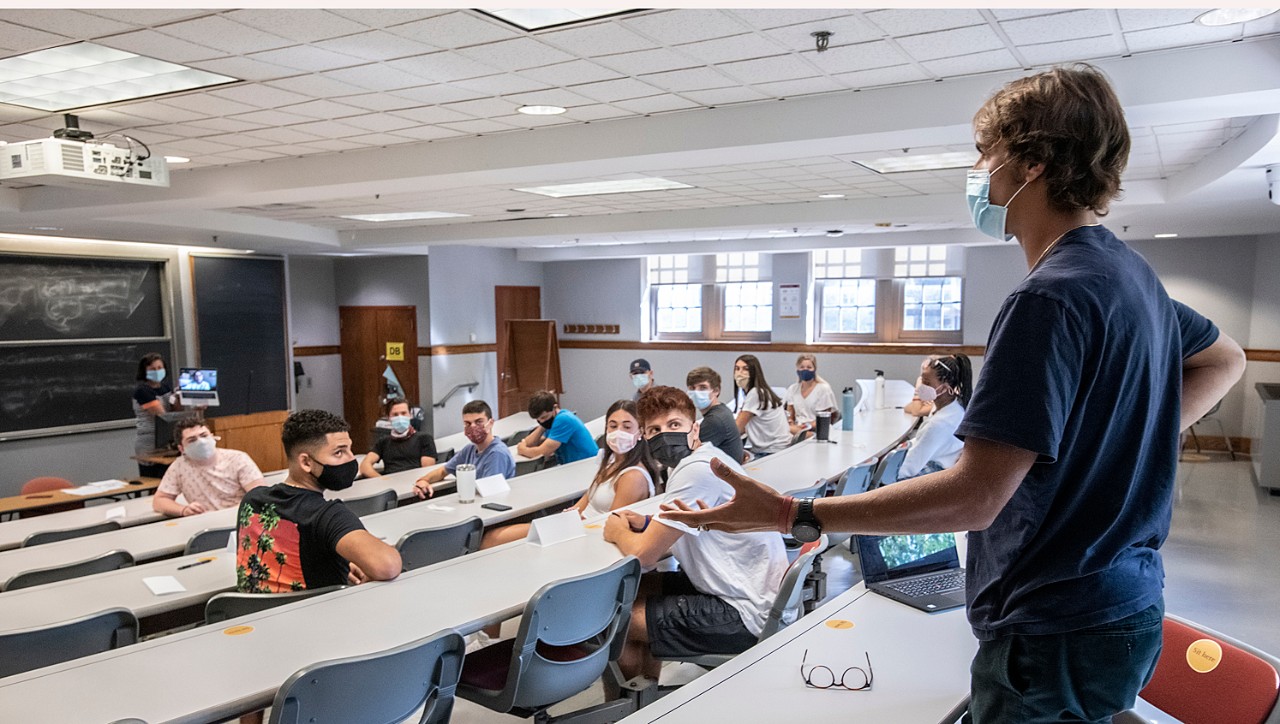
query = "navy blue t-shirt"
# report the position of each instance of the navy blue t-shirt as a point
(1084, 368)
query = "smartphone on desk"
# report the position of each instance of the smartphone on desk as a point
(496, 506)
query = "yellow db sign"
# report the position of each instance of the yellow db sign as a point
(395, 351)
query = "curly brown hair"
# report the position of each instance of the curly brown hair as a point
(661, 400)
(1069, 119)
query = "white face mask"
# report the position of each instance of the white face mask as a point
(200, 449)
(620, 441)
(925, 392)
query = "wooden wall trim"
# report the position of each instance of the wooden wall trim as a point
(318, 351)
(1262, 355)
(756, 347)
(447, 349)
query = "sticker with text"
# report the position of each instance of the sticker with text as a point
(839, 623)
(237, 630)
(1204, 655)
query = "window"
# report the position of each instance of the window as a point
(856, 300)
(710, 297)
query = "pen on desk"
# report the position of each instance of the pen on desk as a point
(38, 496)
(200, 562)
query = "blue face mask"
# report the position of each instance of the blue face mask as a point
(640, 380)
(807, 375)
(701, 398)
(156, 375)
(400, 424)
(987, 217)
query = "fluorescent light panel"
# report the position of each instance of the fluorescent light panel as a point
(85, 74)
(921, 162)
(595, 188)
(404, 216)
(1232, 16)
(539, 18)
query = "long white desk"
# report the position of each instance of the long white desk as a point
(152, 680)
(920, 662)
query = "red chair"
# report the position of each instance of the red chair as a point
(45, 485)
(1242, 687)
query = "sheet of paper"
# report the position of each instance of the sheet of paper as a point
(96, 488)
(441, 508)
(491, 486)
(116, 512)
(160, 585)
(558, 528)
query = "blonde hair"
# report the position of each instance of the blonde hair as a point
(807, 356)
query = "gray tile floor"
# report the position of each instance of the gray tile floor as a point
(1222, 565)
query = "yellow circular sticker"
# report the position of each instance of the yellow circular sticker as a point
(838, 623)
(593, 526)
(1204, 655)
(170, 524)
(237, 630)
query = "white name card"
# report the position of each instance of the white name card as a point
(557, 528)
(491, 486)
(161, 585)
(116, 512)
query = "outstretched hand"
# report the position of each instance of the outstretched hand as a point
(754, 507)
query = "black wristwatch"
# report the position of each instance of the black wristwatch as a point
(806, 528)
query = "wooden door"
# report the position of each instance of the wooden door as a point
(533, 359)
(512, 303)
(372, 338)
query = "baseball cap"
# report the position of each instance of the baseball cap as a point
(640, 366)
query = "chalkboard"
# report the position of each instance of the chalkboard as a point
(240, 324)
(72, 330)
(58, 298)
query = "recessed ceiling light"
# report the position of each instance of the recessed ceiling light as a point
(403, 216)
(177, 159)
(541, 110)
(539, 18)
(593, 188)
(831, 196)
(1166, 236)
(920, 162)
(85, 74)
(1233, 16)
(556, 216)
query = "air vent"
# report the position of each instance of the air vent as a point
(73, 158)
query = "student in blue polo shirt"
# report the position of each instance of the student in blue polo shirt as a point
(483, 450)
(559, 432)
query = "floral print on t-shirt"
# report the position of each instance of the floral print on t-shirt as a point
(268, 556)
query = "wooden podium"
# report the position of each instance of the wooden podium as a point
(257, 434)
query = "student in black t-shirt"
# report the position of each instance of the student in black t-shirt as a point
(289, 538)
(404, 449)
(717, 426)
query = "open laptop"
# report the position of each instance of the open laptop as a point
(921, 571)
(198, 386)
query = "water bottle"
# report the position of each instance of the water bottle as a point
(466, 483)
(847, 402)
(879, 389)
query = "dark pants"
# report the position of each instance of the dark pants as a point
(1081, 676)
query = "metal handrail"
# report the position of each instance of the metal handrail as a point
(465, 385)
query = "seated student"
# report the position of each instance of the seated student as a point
(727, 583)
(760, 415)
(486, 452)
(626, 474)
(809, 396)
(289, 537)
(641, 377)
(717, 426)
(559, 432)
(404, 449)
(206, 476)
(945, 383)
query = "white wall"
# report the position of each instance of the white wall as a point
(1264, 330)
(313, 322)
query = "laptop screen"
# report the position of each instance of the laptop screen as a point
(885, 558)
(191, 379)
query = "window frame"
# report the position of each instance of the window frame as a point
(936, 336)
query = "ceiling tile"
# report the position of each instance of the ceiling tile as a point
(770, 18)
(479, 125)
(438, 93)
(974, 63)
(516, 54)
(526, 121)
(500, 84)
(647, 61)
(804, 86)
(71, 23)
(329, 129)
(571, 73)
(160, 46)
(380, 139)
(333, 144)
(597, 112)
(283, 135)
(685, 26)
(374, 77)
(764, 70)
(435, 114)
(386, 17)
(615, 90)
(226, 125)
(316, 86)
(378, 101)
(1087, 49)
(23, 39)
(1006, 14)
(657, 104)
(244, 68)
(1178, 35)
(882, 76)
(376, 45)
(201, 146)
(550, 97)
(218, 32)
(325, 109)
(863, 56)
(725, 96)
(455, 30)
(1074, 25)
(272, 118)
(688, 80)
(1144, 19)
(739, 47)
(307, 58)
(250, 154)
(149, 16)
(261, 96)
(598, 39)
(442, 67)
(427, 133)
(845, 30)
(481, 108)
(948, 43)
(380, 122)
(898, 22)
(169, 111)
(299, 24)
(211, 105)
(1270, 25)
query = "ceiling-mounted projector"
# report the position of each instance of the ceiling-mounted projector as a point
(73, 158)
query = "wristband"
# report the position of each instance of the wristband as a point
(643, 528)
(784, 515)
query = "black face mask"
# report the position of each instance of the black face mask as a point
(547, 423)
(338, 477)
(669, 448)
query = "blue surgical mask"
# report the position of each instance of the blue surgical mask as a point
(987, 217)
(806, 375)
(400, 424)
(156, 375)
(701, 398)
(640, 380)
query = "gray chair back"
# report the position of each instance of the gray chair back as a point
(426, 546)
(887, 471)
(792, 589)
(209, 539)
(515, 437)
(379, 688)
(109, 561)
(53, 536)
(33, 648)
(856, 479)
(444, 456)
(226, 606)
(369, 504)
(590, 612)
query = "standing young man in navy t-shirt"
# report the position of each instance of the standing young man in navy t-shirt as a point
(1071, 440)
